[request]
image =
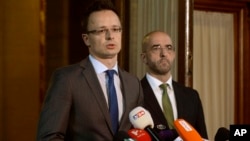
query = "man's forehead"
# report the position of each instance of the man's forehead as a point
(160, 40)
(103, 15)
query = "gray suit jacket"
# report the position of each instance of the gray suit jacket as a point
(75, 108)
(189, 106)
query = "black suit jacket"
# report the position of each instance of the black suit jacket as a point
(75, 108)
(188, 103)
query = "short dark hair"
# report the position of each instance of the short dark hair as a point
(95, 6)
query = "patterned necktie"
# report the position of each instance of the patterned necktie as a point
(167, 107)
(113, 106)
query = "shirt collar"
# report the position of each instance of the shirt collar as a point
(156, 83)
(99, 67)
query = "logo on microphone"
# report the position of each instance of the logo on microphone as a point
(137, 132)
(185, 125)
(139, 135)
(139, 114)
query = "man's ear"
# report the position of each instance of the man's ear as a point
(85, 38)
(143, 58)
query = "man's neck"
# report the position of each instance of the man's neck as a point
(108, 62)
(162, 77)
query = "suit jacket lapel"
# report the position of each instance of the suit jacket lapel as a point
(125, 98)
(178, 97)
(152, 104)
(91, 78)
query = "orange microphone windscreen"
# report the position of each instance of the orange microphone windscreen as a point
(186, 131)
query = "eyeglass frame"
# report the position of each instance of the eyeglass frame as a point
(157, 48)
(105, 31)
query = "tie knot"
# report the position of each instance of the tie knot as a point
(163, 86)
(110, 73)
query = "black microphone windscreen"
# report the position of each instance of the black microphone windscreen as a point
(168, 135)
(222, 134)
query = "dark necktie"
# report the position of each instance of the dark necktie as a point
(113, 106)
(167, 107)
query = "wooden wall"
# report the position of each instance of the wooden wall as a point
(19, 69)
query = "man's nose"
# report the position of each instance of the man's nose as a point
(109, 35)
(163, 52)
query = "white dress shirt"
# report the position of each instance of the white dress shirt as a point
(155, 83)
(101, 75)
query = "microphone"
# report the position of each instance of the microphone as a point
(141, 119)
(139, 135)
(168, 135)
(186, 131)
(122, 136)
(222, 134)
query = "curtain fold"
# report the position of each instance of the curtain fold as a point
(213, 67)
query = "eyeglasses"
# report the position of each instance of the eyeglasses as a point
(158, 48)
(105, 31)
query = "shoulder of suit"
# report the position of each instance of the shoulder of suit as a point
(69, 69)
(179, 85)
(125, 73)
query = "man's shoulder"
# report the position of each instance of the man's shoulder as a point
(69, 67)
(72, 68)
(181, 86)
(126, 73)
(128, 78)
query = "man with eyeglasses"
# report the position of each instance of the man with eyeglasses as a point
(166, 99)
(91, 100)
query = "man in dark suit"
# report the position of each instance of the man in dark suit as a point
(158, 54)
(77, 106)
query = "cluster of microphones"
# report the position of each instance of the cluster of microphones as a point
(143, 130)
